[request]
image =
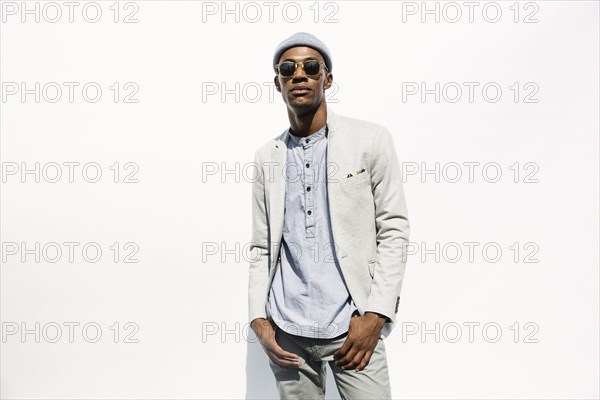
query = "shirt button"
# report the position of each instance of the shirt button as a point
(307, 165)
(307, 140)
(308, 189)
(309, 212)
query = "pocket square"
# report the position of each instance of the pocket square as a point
(355, 173)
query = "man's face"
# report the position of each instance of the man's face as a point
(300, 91)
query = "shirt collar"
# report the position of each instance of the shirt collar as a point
(312, 138)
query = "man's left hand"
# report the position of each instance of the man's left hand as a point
(363, 335)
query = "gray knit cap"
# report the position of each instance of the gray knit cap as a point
(303, 39)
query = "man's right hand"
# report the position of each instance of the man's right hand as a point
(265, 331)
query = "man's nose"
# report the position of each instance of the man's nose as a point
(299, 73)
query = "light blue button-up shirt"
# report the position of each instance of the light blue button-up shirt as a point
(308, 296)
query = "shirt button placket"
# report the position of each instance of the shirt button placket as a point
(308, 193)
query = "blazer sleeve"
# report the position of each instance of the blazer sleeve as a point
(392, 226)
(259, 248)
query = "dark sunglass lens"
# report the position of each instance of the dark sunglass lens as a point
(287, 69)
(311, 67)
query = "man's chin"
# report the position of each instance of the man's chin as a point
(301, 104)
(301, 109)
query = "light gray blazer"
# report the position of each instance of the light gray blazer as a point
(368, 215)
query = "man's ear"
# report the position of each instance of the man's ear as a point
(328, 81)
(276, 80)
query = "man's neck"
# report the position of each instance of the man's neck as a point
(308, 123)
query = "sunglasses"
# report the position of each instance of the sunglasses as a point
(310, 67)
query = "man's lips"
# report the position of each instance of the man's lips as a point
(299, 90)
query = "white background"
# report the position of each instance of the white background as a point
(189, 303)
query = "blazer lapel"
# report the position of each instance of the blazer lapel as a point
(334, 151)
(277, 192)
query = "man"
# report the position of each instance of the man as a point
(329, 229)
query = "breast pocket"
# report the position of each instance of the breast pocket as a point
(356, 180)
